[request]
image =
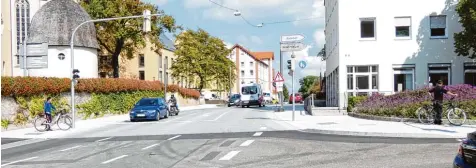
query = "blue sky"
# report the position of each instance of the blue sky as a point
(221, 22)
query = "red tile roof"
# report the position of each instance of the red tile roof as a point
(249, 53)
(264, 55)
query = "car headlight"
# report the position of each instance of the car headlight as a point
(131, 112)
(151, 111)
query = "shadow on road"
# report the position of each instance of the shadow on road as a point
(431, 129)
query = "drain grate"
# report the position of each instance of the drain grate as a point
(327, 123)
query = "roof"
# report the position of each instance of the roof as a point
(264, 55)
(249, 53)
(168, 44)
(55, 21)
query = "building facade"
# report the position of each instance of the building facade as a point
(252, 67)
(375, 46)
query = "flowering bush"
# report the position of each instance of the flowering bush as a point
(30, 86)
(406, 103)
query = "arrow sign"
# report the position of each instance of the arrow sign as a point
(302, 64)
(292, 47)
(292, 38)
(278, 77)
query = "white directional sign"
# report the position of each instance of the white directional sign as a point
(287, 47)
(292, 38)
(279, 86)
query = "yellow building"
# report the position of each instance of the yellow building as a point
(6, 42)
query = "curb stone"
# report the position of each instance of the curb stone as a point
(398, 119)
(377, 134)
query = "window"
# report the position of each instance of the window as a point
(367, 28)
(160, 62)
(470, 73)
(242, 82)
(242, 73)
(402, 27)
(439, 72)
(61, 56)
(141, 75)
(166, 77)
(22, 22)
(141, 60)
(403, 78)
(251, 64)
(166, 65)
(362, 80)
(251, 72)
(438, 26)
(161, 74)
(242, 64)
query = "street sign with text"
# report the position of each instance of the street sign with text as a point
(287, 47)
(292, 38)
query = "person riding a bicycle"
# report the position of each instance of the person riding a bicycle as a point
(48, 107)
(438, 92)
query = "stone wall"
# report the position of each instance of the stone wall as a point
(9, 105)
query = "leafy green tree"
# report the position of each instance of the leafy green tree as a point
(203, 57)
(465, 45)
(307, 83)
(285, 93)
(125, 37)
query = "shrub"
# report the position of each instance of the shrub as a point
(5, 123)
(31, 86)
(406, 103)
(353, 100)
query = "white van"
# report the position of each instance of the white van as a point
(251, 95)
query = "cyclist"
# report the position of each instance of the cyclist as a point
(438, 92)
(48, 107)
(173, 100)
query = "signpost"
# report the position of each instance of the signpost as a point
(302, 64)
(36, 56)
(292, 38)
(279, 80)
(288, 47)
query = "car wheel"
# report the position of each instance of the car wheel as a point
(167, 114)
(229, 105)
(132, 120)
(157, 118)
(247, 106)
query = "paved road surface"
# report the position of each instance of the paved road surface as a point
(226, 137)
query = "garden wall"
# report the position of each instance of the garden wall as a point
(23, 97)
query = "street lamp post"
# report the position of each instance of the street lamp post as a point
(146, 15)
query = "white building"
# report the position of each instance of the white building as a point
(252, 67)
(52, 21)
(391, 46)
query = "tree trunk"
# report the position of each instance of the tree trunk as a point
(201, 85)
(115, 57)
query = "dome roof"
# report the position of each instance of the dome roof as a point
(55, 21)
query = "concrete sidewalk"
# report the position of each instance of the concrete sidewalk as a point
(81, 125)
(346, 125)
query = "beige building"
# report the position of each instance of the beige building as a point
(6, 42)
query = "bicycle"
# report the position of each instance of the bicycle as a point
(61, 117)
(427, 113)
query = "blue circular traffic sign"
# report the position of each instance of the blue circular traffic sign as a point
(302, 64)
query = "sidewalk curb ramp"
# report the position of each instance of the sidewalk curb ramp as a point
(399, 119)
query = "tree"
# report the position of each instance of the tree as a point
(285, 92)
(307, 83)
(203, 57)
(125, 37)
(465, 45)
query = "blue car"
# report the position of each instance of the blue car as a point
(149, 109)
(466, 157)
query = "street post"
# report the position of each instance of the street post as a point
(146, 15)
(292, 83)
(26, 21)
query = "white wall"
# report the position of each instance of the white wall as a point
(386, 50)
(262, 70)
(85, 61)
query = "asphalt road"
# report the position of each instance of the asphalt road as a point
(226, 137)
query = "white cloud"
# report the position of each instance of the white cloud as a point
(228, 45)
(249, 41)
(319, 38)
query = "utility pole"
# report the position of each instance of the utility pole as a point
(281, 94)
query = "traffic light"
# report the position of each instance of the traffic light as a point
(75, 74)
(290, 65)
(274, 84)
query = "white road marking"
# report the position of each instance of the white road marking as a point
(112, 160)
(173, 119)
(247, 143)
(150, 146)
(206, 115)
(67, 149)
(230, 155)
(218, 117)
(19, 161)
(174, 137)
(104, 139)
(263, 128)
(258, 134)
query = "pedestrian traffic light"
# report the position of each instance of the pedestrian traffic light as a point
(290, 65)
(274, 84)
(75, 74)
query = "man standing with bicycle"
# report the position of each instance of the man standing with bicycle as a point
(438, 92)
(48, 107)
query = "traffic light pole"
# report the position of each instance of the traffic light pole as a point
(72, 53)
(292, 90)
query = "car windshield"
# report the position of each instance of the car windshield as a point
(249, 90)
(147, 102)
(267, 94)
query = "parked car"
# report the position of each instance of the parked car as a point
(466, 157)
(234, 100)
(149, 109)
(267, 98)
(297, 100)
